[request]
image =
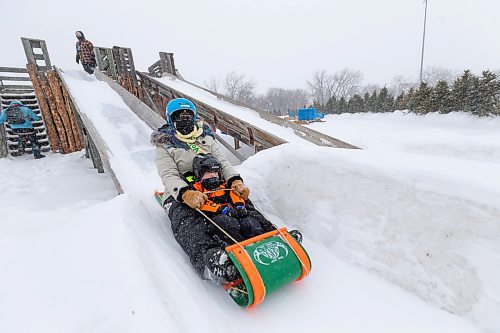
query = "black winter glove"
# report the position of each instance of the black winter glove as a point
(229, 211)
(241, 211)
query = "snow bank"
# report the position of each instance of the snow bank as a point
(456, 134)
(393, 214)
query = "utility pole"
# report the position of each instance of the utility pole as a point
(423, 43)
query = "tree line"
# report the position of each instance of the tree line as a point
(441, 91)
(478, 95)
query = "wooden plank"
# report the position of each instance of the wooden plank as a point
(46, 54)
(44, 83)
(77, 132)
(61, 110)
(44, 107)
(3, 142)
(35, 43)
(15, 87)
(14, 78)
(38, 56)
(13, 70)
(28, 50)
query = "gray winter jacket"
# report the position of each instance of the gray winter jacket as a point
(173, 162)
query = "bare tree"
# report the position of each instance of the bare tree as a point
(401, 83)
(344, 83)
(213, 84)
(238, 87)
(432, 75)
(319, 87)
(369, 88)
(279, 101)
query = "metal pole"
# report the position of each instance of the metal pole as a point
(423, 43)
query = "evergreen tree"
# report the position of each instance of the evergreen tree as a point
(356, 104)
(372, 105)
(331, 105)
(366, 102)
(342, 105)
(473, 102)
(399, 103)
(489, 90)
(422, 98)
(440, 99)
(460, 92)
(385, 100)
(317, 105)
(408, 99)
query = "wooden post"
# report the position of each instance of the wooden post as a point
(3, 142)
(55, 143)
(29, 44)
(61, 110)
(79, 144)
(61, 133)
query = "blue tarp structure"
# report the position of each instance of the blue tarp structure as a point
(307, 114)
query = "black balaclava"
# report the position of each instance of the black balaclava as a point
(183, 121)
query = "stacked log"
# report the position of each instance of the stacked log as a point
(57, 110)
(127, 82)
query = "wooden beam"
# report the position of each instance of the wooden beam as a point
(77, 132)
(3, 142)
(13, 70)
(61, 110)
(14, 78)
(55, 143)
(16, 87)
(61, 133)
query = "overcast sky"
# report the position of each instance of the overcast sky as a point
(278, 43)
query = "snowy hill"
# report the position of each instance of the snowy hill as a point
(386, 231)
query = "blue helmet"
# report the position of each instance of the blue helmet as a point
(179, 104)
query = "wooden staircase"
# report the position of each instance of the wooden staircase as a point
(15, 84)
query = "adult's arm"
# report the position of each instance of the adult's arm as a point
(3, 118)
(169, 174)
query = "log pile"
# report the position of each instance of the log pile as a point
(58, 111)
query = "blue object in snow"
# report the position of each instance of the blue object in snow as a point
(307, 114)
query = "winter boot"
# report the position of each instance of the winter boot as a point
(220, 268)
(297, 235)
(39, 156)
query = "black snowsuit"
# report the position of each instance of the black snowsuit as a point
(196, 235)
(27, 134)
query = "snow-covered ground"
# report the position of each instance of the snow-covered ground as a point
(386, 231)
(438, 236)
(457, 134)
